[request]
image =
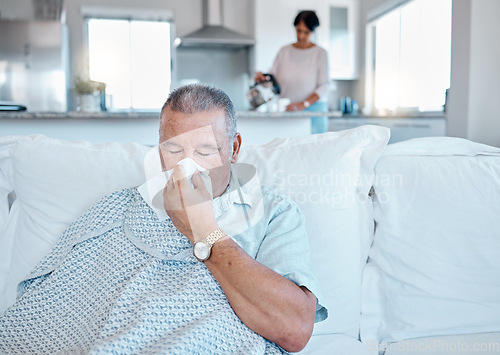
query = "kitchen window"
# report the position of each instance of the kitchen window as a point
(408, 58)
(133, 58)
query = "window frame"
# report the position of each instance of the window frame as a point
(129, 14)
(370, 61)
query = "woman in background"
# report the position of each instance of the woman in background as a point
(301, 70)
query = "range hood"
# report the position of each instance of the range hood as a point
(213, 34)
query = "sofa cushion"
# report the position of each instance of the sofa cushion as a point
(54, 182)
(434, 265)
(329, 176)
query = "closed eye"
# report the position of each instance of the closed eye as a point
(206, 154)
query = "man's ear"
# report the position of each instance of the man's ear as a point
(236, 148)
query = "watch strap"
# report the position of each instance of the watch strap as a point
(213, 237)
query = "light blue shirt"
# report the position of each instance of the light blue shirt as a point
(269, 227)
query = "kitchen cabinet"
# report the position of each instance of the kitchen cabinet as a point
(33, 64)
(341, 20)
(402, 128)
(96, 127)
(19, 9)
(31, 10)
(123, 127)
(260, 128)
(273, 30)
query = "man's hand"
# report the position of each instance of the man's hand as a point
(189, 208)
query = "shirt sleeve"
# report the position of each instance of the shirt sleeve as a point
(285, 249)
(323, 75)
(276, 64)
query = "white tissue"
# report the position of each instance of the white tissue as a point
(152, 190)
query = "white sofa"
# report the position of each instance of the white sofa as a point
(405, 238)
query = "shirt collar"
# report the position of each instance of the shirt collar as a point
(234, 194)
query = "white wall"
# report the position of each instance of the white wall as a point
(274, 27)
(457, 105)
(484, 76)
(10, 9)
(475, 72)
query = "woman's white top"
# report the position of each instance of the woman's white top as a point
(301, 72)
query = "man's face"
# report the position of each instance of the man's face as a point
(201, 137)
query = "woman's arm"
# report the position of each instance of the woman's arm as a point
(299, 106)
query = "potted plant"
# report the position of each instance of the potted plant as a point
(88, 94)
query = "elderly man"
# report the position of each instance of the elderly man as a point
(232, 274)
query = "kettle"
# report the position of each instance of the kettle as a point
(263, 91)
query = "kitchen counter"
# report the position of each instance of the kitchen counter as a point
(146, 115)
(76, 115)
(246, 114)
(338, 114)
(255, 127)
(97, 127)
(142, 127)
(286, 114)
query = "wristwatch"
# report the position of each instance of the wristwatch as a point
(306, 104)
(203, 248)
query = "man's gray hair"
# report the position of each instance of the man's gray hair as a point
(194, 98)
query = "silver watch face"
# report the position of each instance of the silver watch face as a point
(201, 251)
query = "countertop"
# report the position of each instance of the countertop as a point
(243, 114)
(255, 127)
(76, 114)
(135, 115)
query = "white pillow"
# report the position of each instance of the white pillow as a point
(55, 181)
(329, 176)
(435, 262)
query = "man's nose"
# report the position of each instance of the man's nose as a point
(176, 160)
(186, 155)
